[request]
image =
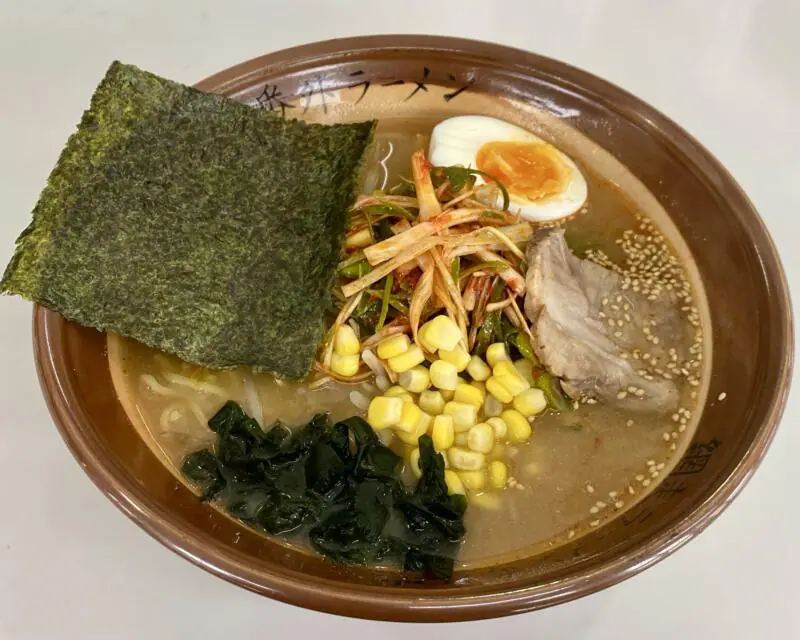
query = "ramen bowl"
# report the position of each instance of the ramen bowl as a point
(748, 324)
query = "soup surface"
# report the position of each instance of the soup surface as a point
(579, 469)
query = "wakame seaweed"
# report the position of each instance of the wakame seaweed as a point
(337, 484)
(193, 223)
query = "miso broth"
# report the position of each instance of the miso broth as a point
(579, 469)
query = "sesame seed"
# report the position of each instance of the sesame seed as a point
(600, 504)
(646, 482)
(619, 504)
(594, 509)
(571, 534)
(665, 435)
(639, 477)
(722, 396)
(629, 423)
(589, 488)
(613, 494)
(622, 395)
(594, 523)
(631, 490)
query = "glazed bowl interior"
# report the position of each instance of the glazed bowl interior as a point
(429, 77)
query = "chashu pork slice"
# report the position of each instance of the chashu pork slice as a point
(572, 338)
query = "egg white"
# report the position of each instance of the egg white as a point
(456, 141)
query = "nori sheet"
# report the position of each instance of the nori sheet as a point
(194, 224)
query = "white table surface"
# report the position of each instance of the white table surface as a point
(72, 566)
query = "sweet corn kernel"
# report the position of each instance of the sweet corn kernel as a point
(457, 356)
(384, 412)
(499, 427)
(519, 429)
(495, 353)
(514, 384)
(422, 338)
(346, 343)
(409, 418)
(395, 391)
(346, 366)
(447, 394)
(492, 407)
(498, 474)
(504, 367)
(486, 500)
(466, 460)
(454, 484)
(468, 394)
(464, 415)
(442, 333)
(443, 434)
(478, 369)
(498, 390)
(473, 480)
(407, 360)
(444, 375)
(499, 452)
(481, 438)
(415, 380)
(413, 463)
(398, 392)
(530, 402)
(412, 437)
(431, 402)
(393, 346)
(524, 369)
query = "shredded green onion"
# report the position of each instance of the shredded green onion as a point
(490, 266)
(387, 293)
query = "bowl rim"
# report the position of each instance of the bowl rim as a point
(393, 603)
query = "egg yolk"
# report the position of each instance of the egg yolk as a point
(529, 170)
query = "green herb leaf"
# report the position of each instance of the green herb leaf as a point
(557, 400)
(461, 178)
(355, 271)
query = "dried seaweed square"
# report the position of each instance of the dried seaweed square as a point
(193, 223)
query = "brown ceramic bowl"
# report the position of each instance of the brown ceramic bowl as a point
(750, 323)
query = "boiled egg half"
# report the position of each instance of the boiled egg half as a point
(543, 183)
